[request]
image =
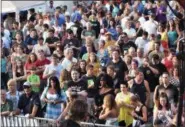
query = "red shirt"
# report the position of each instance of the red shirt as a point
(28, 66)
(41, 63)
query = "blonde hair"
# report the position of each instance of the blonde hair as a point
(66, 51)
(109, 101)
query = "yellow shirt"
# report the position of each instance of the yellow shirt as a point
(123, 113)
(109, 43)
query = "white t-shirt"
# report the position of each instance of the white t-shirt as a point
(130, 32)
(44, 47)
(66, 64)
(49, 68)
(140, 42)
(150, 27)
(69, 24)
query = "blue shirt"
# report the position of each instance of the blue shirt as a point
(61, 19)
(76, 16)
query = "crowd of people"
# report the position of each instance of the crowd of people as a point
(111, 61)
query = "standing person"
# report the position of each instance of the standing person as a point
(51, 40)
(78, 113)
(92, 87)
(71, 42)
(34, 80)
(31, 62)
(109, 111)
(41, 46)
(163, 112)
(69, 59)
(119, 64)
(29, 99)
(53, 69)
(88, 32)
(12, 93)
(54, 98)
(140, 87)
(4, 70)
(140, 112)
(76, 86)
(123, 100)
(6, 104)
(171, 91)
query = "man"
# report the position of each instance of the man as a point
(158, 65)
(156, 51)
(169, 89)
(76, 86)
(12, 93)
(78, 112)
(151, 25)
(71, 42)
(140, 56)
(88, 32)
(29, 103)
(31, 40)
(15, 30)
(150, 75)
(41, 46)
(53, 69)
(32, 15)
(124, 43)
(92, 87)
(68, 22)
(52, 40)
(116, 82)
(120, 66)
(131, 32)
(108, 40)
(69, 60)
(6, 104)
(141, 41)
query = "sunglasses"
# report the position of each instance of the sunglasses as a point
(26, 87)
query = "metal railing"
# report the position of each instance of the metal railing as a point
(22, 121)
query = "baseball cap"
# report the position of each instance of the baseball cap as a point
(26, 85)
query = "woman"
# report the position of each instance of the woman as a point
(164, 36)
(112, 29)
(128, 60)
(109, 111)
(4, 70)
(18, 55)
(123, 100)
(175, 80)
(18, 74)
(92, 59)
(59, 52)
(162, 112)
(102, 53)
(167, 61)
(140, 112)
(54, 97)
(134, 69)
(104, 82)
(172, 34)
(32, 58)
(82, 67)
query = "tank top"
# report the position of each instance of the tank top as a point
(139, 113)
(140, 90)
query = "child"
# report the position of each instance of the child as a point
(34, 80)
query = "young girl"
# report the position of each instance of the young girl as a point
(163, 112)
(110, 111)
